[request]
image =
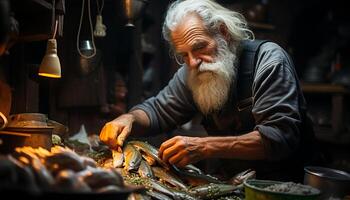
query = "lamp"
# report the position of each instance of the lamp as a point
(50, 65)
(133, 9)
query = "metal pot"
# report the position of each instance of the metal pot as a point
(331, 182)
(25, 120)
(26, 129)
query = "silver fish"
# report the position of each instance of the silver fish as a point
(132, 158)
(213, 190)
(239, 178)
(118, 158)
(175, 194)
(194, 174)
(149, 150)
(168, 177)
(145, 170)
(157, 195)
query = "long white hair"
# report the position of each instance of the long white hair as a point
(213, 15)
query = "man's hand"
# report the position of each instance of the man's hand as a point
(182, 150)
(115, 132)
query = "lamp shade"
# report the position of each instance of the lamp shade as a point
(50, 65)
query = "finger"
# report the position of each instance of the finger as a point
(164, 146)
(124, 134)
(170, 152)
(176, 158)
(112, 134)
(183, 162)
(103, 135)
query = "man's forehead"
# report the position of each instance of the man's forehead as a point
(189, 21)
(189, 30)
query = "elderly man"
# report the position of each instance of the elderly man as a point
(246, 90)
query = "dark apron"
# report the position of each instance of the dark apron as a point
(237, 119)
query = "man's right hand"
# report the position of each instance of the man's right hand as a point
(115, 132)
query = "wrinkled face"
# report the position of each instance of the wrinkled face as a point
(209, 60)
(192, 43)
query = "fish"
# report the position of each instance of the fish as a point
(199, 177)
(155, 185)
(213, 190)
(138, 196)
(150, 150)
(66, 181)
(97, 178)
(157, 195)
(118, 158)
(169, 177)
(132, 158)
(145, 170)
(193, 168)
(239, 178)
(149, 159)
(175, 194)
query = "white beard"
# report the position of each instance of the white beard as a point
(210, 82)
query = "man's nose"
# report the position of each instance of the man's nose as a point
(194, 61)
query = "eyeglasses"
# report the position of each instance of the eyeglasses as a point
(179, 59)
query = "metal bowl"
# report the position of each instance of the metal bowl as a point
(331, 182)
(255, 190)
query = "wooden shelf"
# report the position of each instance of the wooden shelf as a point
(324, 88)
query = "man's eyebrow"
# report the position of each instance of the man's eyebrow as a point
(199, 44)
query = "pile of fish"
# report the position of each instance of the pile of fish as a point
(60, 170)
(139, 164)
(136, 170)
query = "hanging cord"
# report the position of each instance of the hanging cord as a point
(55, 30)
(99, 10)
(91, 31)
(53, 19)
(100, 28)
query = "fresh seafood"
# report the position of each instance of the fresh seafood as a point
(66, 180)
(213, 190)
(201, 177)
(149, 159)
(97, 178)
(168, 177)
(138, 196)
(149, 150)
(118, 158)
(132, 158)
(157, 195)
(64, 160)
(62, 169)
(145, 170)
(109, 189)
(242, 176)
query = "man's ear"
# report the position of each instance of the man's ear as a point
(224, 32)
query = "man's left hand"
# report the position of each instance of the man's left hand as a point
(182, 150)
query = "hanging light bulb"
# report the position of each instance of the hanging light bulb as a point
(50, 65)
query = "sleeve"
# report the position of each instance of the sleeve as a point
(275, 105)
(172, 106)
